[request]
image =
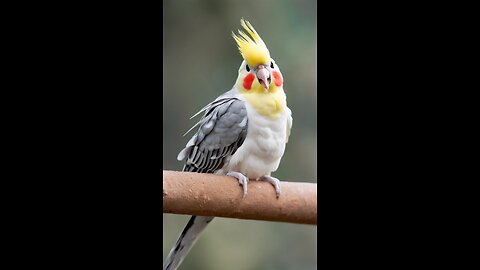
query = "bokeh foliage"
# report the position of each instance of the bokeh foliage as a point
(200, 63)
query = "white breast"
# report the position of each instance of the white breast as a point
(263, 148)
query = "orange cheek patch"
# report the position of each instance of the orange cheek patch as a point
(247, 81)
(278, 78)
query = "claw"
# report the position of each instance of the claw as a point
(274, 181)
(242, 180)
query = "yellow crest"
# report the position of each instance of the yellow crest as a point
(253, 51)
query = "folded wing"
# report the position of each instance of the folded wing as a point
(222, 131)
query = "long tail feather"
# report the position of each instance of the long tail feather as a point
(185, 241)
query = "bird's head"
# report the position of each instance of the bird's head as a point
(258, 72)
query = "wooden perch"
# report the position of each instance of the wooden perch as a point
(221, 196)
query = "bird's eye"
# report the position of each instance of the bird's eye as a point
(271, 64)
(248, 68)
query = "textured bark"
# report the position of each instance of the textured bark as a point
(215, 195)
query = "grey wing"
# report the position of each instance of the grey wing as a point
(222, 131)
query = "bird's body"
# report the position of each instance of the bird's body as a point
(241, 134)
(264, 145)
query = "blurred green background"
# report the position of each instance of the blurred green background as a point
(201, 61)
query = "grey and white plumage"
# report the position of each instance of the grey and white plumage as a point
(242, 133)
(185, 241)
(219, 147)
(223, 128)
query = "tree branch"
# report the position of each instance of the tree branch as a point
(221, 196)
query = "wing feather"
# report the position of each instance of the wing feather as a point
(221, 132)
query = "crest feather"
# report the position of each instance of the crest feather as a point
(253, 51)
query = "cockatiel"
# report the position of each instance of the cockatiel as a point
(242, 133)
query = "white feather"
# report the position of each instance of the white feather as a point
(263, 148)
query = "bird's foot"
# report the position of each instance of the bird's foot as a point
(274, 181)
(242, 180)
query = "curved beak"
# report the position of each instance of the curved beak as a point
(263, 76)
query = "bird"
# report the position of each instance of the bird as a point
(243, 133)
